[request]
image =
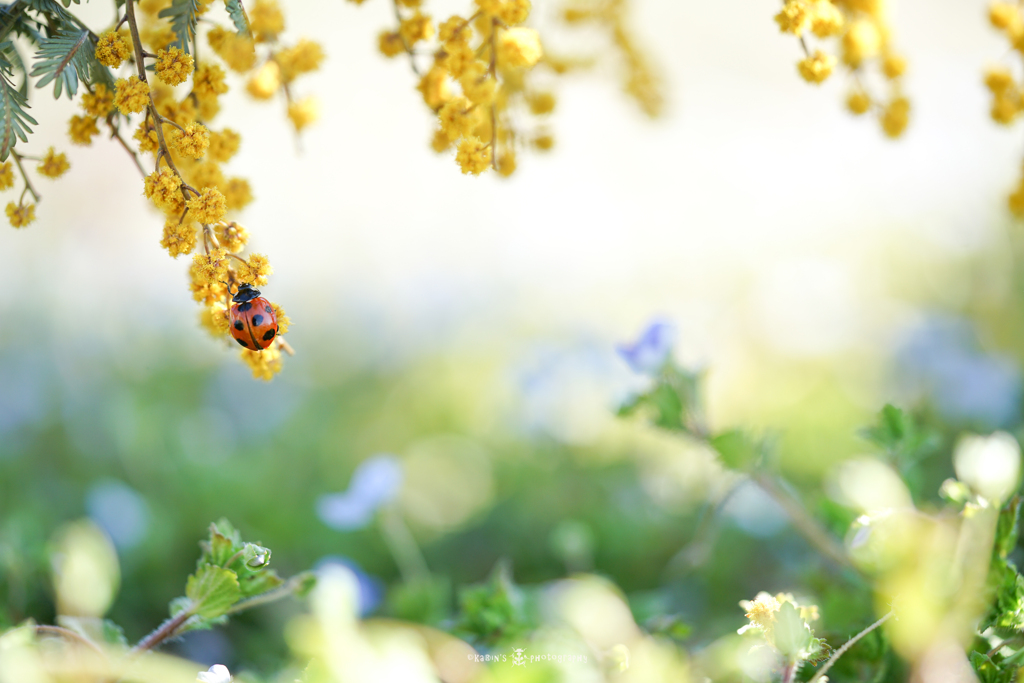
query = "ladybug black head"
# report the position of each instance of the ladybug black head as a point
(246, 292)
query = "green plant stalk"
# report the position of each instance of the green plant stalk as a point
(850, 643)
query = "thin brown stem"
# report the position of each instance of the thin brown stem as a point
(808, 527)
(405, 45)
(115, 134)
(24, 176)
(69, 635)
(285, 346)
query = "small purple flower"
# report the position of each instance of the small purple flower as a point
(648, 354)
(375, 483)
(371, 588)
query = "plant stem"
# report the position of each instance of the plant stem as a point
(67, 634)
(408, 557)
(850, 643)
(282, 591)
(804, 523)
(24, 176)
(165, 630)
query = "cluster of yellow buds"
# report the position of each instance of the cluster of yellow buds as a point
(272, 71)
(1007, 100)
(860, 32)
(477, 82)
(189, 184)
(51, 165)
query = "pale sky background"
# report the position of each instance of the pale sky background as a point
(757, 211)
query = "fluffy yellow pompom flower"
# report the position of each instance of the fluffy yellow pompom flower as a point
(477, 84)
(81, 129)
(215, 319)
(390, 43)
(179, 237)
(454, 29)
(457, 118)
(6, 176)
(473, 156)
(206, 173)
(131, 95)
(20, 215)
(231, 236)
(514, 11)
(223, 145)
(416, 28)
(862, 41)
(544, 142)
(266, 20)
(173, 66)
(210, 269)
(265, 82)
(507, 163)
(896, 116)
(795, 17)
(761, 610)
(456, 57)
(1005, 16)
(255, 270)
(893, 66)
(998, 79)
(519, 47)
(304, 112)
(237, 193)
(237, 51)
(306, 56)
(1015, 201)
(163, 187)
(826, 19)
(817, 67)
(541, 103)
(209, 81)
(112, 49)
(1005, 107)
(209, 207)
(193, 142)
(283, 321)
(264, 364)
(53, 165)
(434, 87)
(99, 102)
(858, 102)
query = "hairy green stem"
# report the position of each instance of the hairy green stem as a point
(850, 643)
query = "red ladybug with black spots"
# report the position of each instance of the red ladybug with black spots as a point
(253, 323)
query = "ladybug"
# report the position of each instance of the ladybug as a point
(253, 323)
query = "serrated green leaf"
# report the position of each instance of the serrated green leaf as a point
(14, 120)
(183, 15)
(212, 591)
(238, 17)
(989, 671)
(791, 634)
(62, 59)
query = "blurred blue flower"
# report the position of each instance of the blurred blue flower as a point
(120, 511)
(648, 354)
(941, 361)
(375, 482)
(371, 589)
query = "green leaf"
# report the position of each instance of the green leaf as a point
(238, 17)
(791, 633)
(1006, 613)
(737, 450)
(1006, 527)
(989, 671)
(62, 59)
(183, 15)
(14, 120)
(212, 591)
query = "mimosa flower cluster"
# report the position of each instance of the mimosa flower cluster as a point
(1004, 86)
(481, 80)
(856, 34)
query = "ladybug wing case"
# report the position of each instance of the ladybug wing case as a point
(253, 324)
